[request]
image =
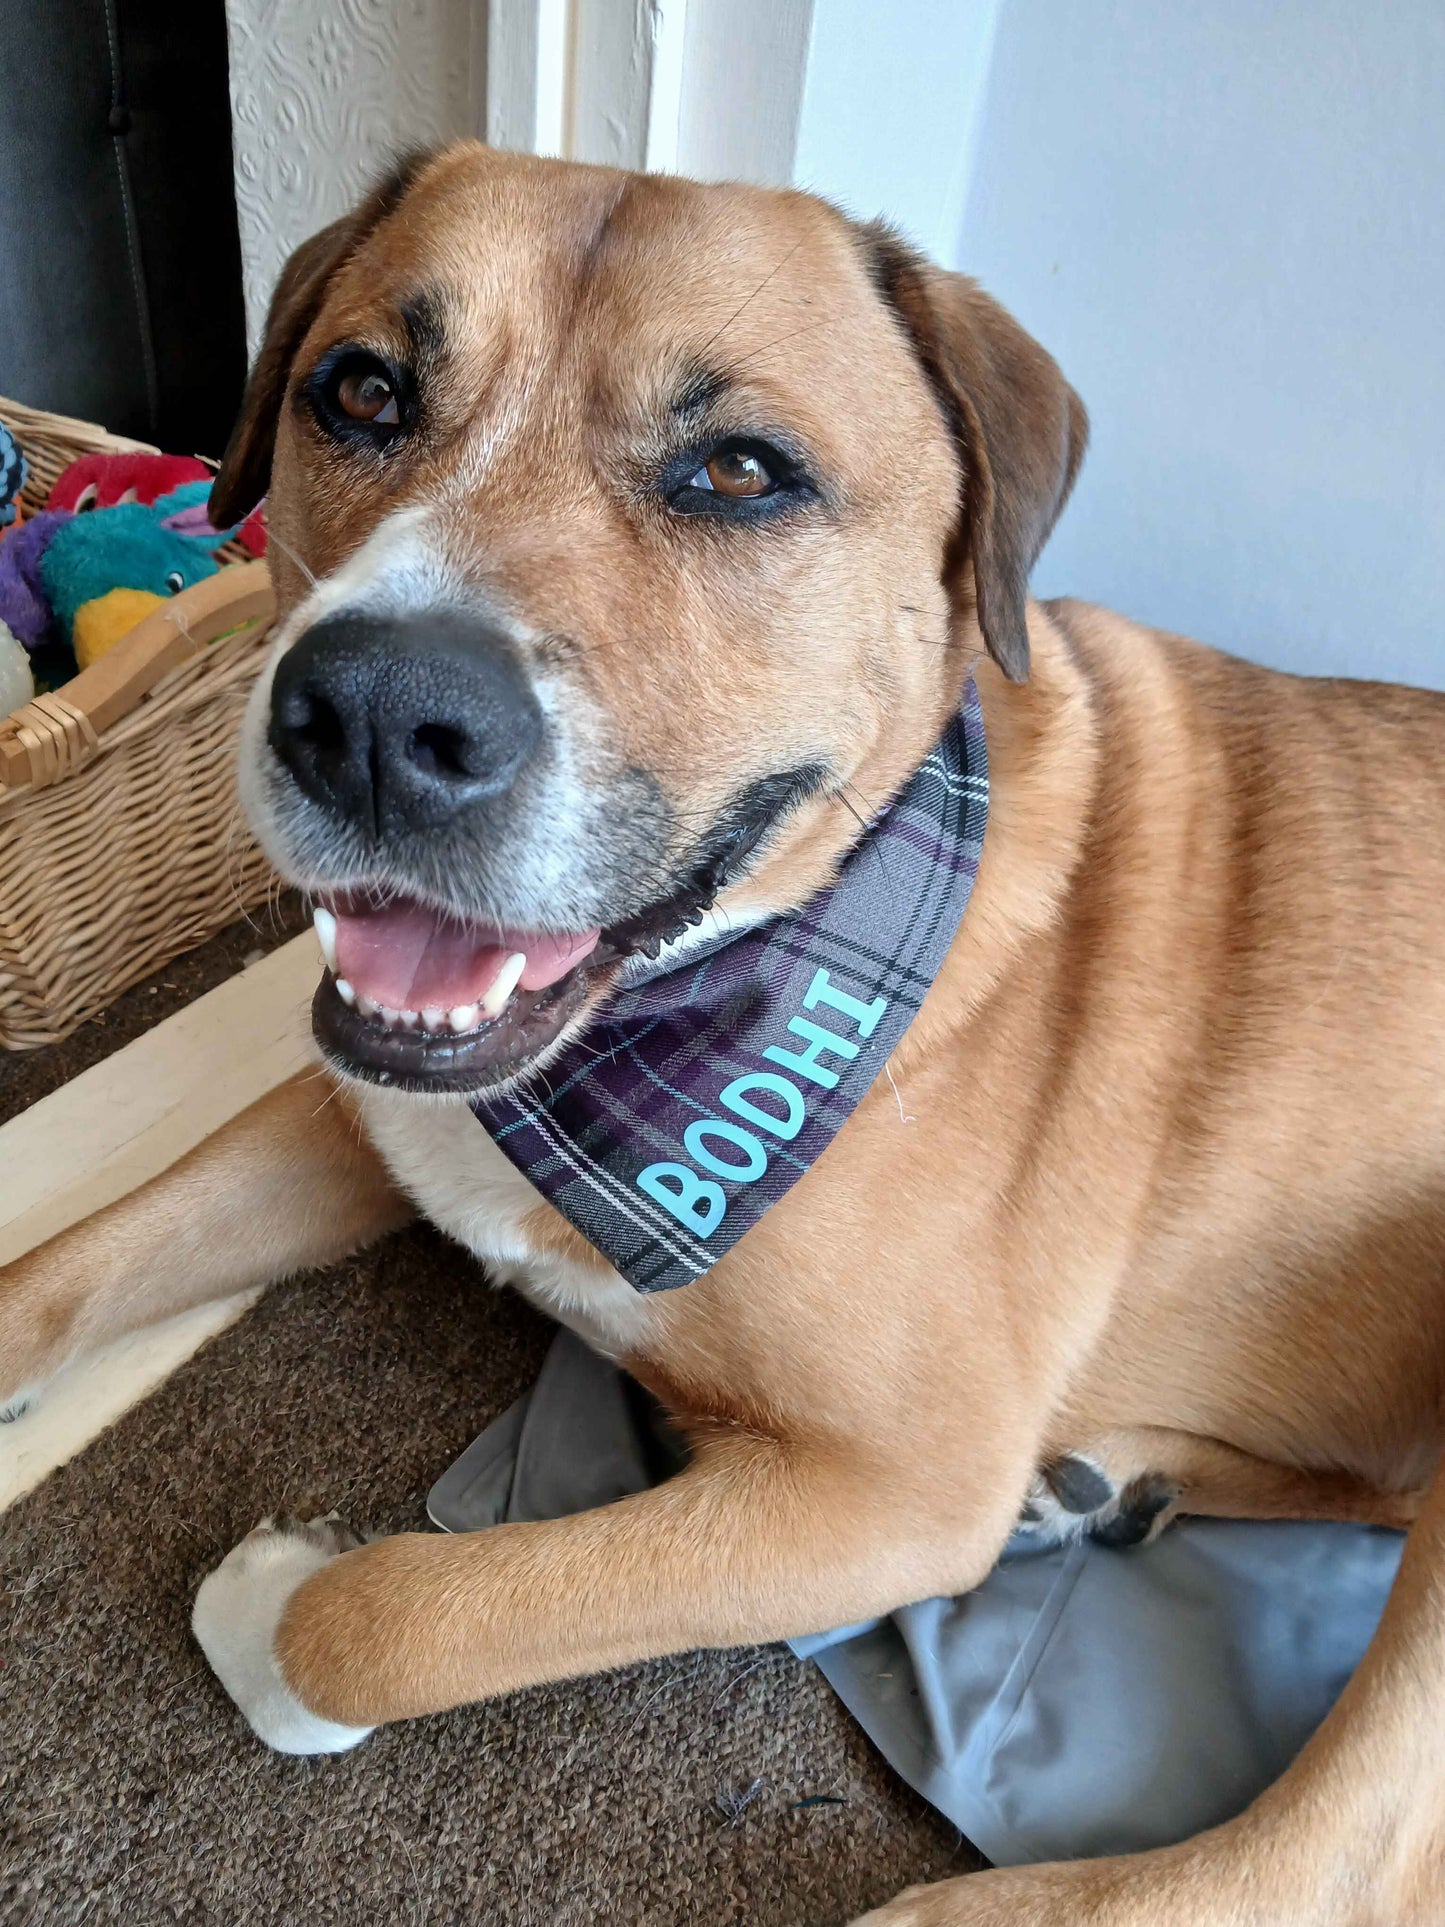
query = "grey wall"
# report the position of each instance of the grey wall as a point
(1225, 219)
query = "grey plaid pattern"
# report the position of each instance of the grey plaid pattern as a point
(700, 1094)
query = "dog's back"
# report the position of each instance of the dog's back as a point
(1258, 919)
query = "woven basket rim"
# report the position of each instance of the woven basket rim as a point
(20, 416)
(190, 684)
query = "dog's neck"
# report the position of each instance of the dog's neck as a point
(1043, 741)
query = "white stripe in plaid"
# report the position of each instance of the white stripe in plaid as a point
(658, 1056)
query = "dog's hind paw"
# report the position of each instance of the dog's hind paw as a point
(1143, 1509)
(1075, 1498)
(237, 1612)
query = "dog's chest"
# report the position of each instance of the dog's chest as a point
(443, 1159)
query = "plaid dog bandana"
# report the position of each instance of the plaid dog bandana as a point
(701, 1093)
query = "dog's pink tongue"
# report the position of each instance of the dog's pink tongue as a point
(410, 958)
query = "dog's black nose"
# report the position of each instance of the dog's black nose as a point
(399, 723)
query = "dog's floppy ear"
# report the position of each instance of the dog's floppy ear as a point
(1020, 428)
(245, 471)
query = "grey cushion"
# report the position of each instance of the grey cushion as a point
(1080, 1701)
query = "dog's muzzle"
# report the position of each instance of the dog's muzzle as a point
(428, 806)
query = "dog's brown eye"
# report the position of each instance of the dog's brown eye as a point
(743, 479)
(368, 397)
(735, 471)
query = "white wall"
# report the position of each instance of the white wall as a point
(323, 93)
(892, 104)
(1225, 220)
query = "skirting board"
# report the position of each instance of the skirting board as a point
(108, 1131)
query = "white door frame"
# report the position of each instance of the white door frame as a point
(711, 88)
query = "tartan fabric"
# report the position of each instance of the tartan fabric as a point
(630, 1135)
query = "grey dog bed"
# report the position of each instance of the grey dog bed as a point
(1081, 1701)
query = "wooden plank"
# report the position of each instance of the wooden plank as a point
(140, 1109)
(529, 75)
(611, 66)
(665, 84)
(112, 1128)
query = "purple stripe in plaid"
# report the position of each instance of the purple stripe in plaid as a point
(658, 1055)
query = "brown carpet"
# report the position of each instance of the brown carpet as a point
(713, 1788)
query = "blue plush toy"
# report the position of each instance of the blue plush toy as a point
(12, 477)
(102, 572)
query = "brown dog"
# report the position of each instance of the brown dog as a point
(720, 487)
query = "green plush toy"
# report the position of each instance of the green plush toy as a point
(105, 570)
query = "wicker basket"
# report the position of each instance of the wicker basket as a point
(121, 841)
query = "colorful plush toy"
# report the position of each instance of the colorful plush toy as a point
(122, 533)
(24, 608)
(101, 481)
(106, 569)
(12, 477)
(252, 534)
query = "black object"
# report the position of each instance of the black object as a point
(120, 262)
(402, 723)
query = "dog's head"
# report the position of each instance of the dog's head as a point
(632, 541)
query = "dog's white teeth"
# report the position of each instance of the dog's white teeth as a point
(325, 927)
(463, 1017)
(344, 991)
(508, 977)
(383, 1013)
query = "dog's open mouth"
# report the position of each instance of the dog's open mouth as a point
(425, 1001)
(413, 997)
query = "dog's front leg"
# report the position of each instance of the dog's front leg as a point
(288, 1184)
(755, 1540)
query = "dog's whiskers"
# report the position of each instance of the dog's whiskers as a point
(749, 299)
(287, 550)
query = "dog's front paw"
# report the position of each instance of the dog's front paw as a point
(18, 1403)
(237, 1611)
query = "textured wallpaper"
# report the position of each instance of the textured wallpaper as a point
(322, 93)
